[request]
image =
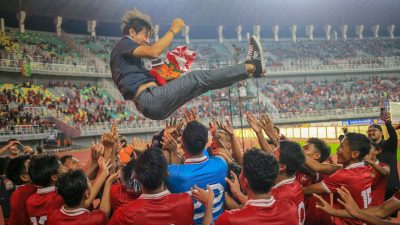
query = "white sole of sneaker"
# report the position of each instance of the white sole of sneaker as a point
(262, 55)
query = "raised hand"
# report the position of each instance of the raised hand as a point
(269, 128)
(177, 25)
(253, 123)
(169, 143)
(104, 166)
(227, 127)
(190, 115)
(138, 145)
(110, 138)
(97, 150)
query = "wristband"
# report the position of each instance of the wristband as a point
(172, 33)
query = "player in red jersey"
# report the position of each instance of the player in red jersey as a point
(43, 171)
(373, 215)
(291, 158)
(381, 171)
(355, 175)
(127, 189)
(17, 172)
(156, 205)
(256, 179)
(75, 189)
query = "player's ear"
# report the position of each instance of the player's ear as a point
(354, 154)
(24, 177)
(54, 178)
(317, 155)
(282, 167)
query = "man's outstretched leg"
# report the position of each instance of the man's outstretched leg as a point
(161, 101)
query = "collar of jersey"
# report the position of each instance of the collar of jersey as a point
(355, 165)
(74, 212)
(196, 160)
(155, 196)
(20, 186)
(261, 202)
(46, 190)
(283, 182)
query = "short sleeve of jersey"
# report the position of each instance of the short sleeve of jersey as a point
(127, 46)
(334, 181)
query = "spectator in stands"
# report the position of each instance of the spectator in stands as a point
(156, 205)
(389, 152)
(17, 172)
(158, 102)
(198, 169)
(258, 175)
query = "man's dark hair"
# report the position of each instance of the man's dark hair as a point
(16, 168)
(138, 24)
(65, 158)
(71, 186)
(151, 168)
(42, 167)
(292, 156)
(322, 147)
(195, 137)
(359, 142)
(260, 170)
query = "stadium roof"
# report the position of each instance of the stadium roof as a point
(216, 12)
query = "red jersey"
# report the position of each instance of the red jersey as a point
(291, 190)
(18, 213)
(161, 208)
(38, 204)
(119, 195)
(261, 211)
(379, 186)
(79, 216)
(358, 179)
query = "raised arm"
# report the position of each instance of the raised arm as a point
(156, 49)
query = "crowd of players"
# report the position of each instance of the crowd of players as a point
(176, 179)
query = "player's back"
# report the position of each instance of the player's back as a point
(78, 216)
(261, 211)
(39, 203)
(202, 172)
(358, 179)
(18, 214)
(120, 195)
(290, 189)
(161, 208)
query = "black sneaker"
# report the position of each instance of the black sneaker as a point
(255, 56)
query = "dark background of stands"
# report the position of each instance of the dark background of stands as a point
(205, 15)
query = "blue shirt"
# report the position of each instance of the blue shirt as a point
(128, 72)
(202, 172)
